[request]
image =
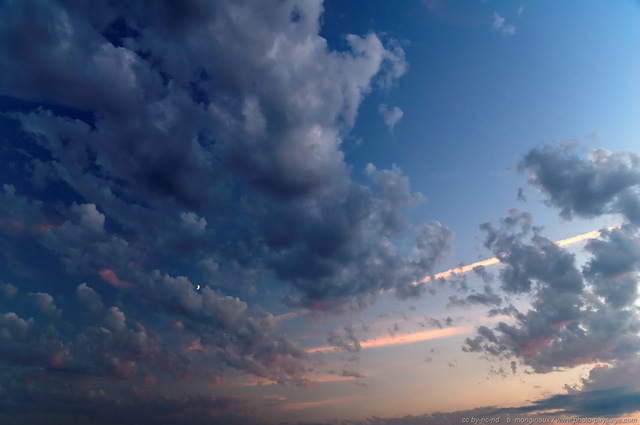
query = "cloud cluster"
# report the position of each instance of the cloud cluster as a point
(164, 144)
(578, 314)
(138, 105)
(604, 183)
(390, 116)
(608, 391)
(500, 25)
(62, 399)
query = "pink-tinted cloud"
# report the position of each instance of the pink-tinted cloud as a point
(403, 339)
(110, 277)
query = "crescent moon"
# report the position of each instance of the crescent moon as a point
(198, 288)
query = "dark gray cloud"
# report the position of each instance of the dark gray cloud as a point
(89, 298)
(338, 246)
(436, 418)
(63, 399)
(156, 136)
(227, 333)
(242, 337)
(44, 303)
(612, 402)
(575, 313)
(348, 373)
(589, 404)
(17, 212)
(613, 268)
(135, 131)
(83, 244)
(604, 183)
(8, 290)
(618, 374)
(110, 347)
(30, 342)
(222, 92)
(576, 316)
(487, 297)
(346, 339)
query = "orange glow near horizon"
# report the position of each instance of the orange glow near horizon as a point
(253, 381)
(492, 261)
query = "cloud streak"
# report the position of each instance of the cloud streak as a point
(494, 260)
(411, 338)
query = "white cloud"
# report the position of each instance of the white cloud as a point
(500, 25)
(390, 116)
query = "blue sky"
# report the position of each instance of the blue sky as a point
(252, 212)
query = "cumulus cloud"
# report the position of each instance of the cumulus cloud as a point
(576, 312)
(19, 213)
(613, 268)
(576, 316)
(609, 390)
(159, 136)
(83, 244)
(27, 342)
(44, 303)
(336, 247)
(88, 298)
(603, 183)
(137, 153)
(8, 290)
(240, 337)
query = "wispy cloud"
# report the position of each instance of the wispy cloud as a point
(500, 25)
(391, 116)
(319, 403)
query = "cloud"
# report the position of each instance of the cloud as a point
(346, 339)
(568, 324)
(604, 183)
(613, 268)
(351, 343)
(612, 401)
(336, 249)
(44, 303)
(8, 290)
(88, 298)
(578, 315)
(18, 213)
(85, 247)
(162, 135)
(133, 132)
(390, 116)
(63, 400)
(488, 297)
(352, 374)
(27, 342)
(500, 25)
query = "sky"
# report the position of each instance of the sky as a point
(319, 212)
